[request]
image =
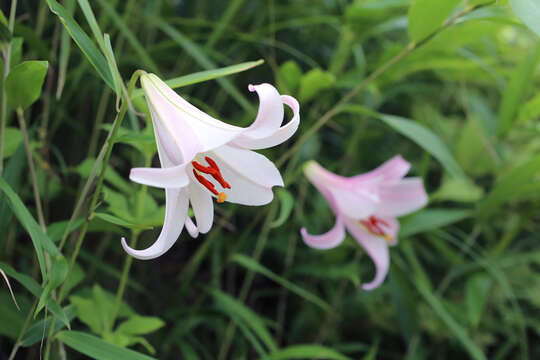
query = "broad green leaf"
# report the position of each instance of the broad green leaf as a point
(206, 75)
(455, 189)
(313, 82)
(120, 222)
(98, 349)
(289, 77)
(431, 219)
(307, 351)
(239, 312)
(86, 45)
(287, 202)
(254, 266)
(515, 183)
(477, 293)
(426, 16)
(24, 82)
(140, 325)
(12, 139)
(528, 11)
(514, 93)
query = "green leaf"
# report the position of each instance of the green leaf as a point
(518, 181)
(431, 219)
(426, 16)
(307, 351)
(477, 293)
(12, 139)
(287, 202)
(120, 222)
(35, 333)
(86, 45)
(289, 77)
(528, 11)
(422, 136)
(455, 189)
(206, 75)
(24, 82)
(140, 325)
(254, 266)
(40, 240)
(239, 312)
(514, 93)
(313, 82)
(98, 349)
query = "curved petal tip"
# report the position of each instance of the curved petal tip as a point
(251, 87)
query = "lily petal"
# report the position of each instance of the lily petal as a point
(403, 197)
(176, 208)
(376, 247)
(191, 228)
(270, 113)
(279, 136)
(356, 202)
(394, 169)
(191, 127)
(170, 177)
(251, 175)
(328, 240)
(203, 207)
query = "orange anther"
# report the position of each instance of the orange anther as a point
(221, 197)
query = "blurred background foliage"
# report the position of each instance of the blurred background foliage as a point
(451, 85)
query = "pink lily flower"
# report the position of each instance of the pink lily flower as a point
(367, 206)
(203, 158)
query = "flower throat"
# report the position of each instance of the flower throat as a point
(212, 170)
(373, 225)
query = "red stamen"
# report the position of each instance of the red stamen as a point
(217, 173)
(372, 225)
(207, 184)
(212, 170)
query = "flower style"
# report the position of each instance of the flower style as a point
(367, 205)
(202, 157)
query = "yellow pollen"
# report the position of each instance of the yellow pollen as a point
(221, 197)
(388, 237)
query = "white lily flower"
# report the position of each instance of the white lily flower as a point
(202, 157)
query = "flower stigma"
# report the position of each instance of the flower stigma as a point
(213, 170)
(373, 225)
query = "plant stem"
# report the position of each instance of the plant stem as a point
(37, 200)
(7, 60)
